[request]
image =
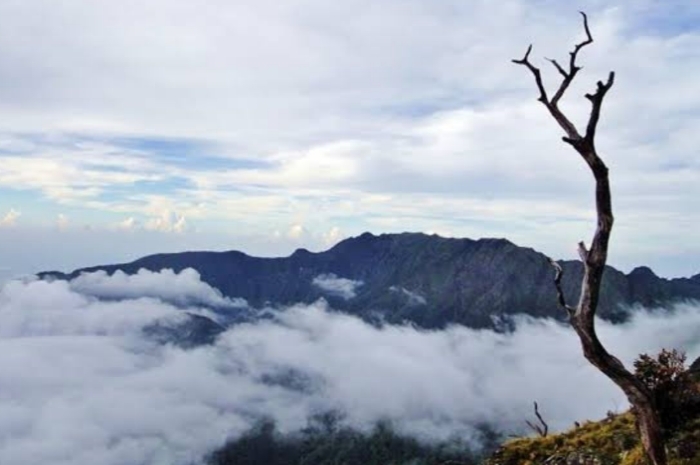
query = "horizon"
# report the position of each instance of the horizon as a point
(329, 247)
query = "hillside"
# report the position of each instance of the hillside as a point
(611, 441)
(614, 440)
(430, 281)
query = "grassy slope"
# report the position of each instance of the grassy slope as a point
(612, 441)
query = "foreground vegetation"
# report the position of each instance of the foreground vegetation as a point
(615, 440)
(612, 441)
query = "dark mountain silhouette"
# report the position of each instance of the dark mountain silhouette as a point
(430, 281)
(192, 331)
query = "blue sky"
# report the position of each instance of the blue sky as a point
(132, 127)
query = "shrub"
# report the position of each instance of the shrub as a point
(671, 386)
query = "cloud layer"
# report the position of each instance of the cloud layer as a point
(341, 287)
(183, 289)
(82, 385)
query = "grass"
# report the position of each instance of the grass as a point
(611, 441)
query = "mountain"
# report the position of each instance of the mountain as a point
(430, 281)
(192, 331)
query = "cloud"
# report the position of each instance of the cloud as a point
(413, 297)
(167, 221)
(98, 392)
(52, 309)
(62, 222)
(334, 285)
(69, 170)
(333, 236)
(407, 120)
(10, 218)
(129, 224)
(183, 289)
(297, 231)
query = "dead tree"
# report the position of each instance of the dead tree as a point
(582, 316)
(542, 428)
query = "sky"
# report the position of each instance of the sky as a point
(101, 392)
(129, 128)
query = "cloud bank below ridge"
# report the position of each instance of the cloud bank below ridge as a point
(98, 391)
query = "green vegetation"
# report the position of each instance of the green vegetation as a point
(324, 442)
(612, 441)
(672, 386)
(608, 440)
(615, 440)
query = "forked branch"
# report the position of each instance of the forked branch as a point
(525, 61)
(596, 100)
(542, 429)
(568, 75)
(573, 67)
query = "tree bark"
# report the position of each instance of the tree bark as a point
(582, 316)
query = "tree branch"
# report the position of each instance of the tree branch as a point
(558, 67)
(559, 272)
(582, 252)
(572, 135)
(573, 67)
(597, 101)
(541, 430)
(579, 46)
(525, 61)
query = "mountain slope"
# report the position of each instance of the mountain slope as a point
(428, 280)
(613, 441)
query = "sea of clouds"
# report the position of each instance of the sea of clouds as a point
(81, 383)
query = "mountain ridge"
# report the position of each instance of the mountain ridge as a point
(430, 281)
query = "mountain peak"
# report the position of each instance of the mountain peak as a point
(301, 252)
(643, 272)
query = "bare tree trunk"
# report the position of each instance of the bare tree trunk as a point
(582, 316)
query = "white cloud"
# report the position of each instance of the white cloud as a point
(332, 284)
(180, 224)
(413, 298)
(97, 392)
(297, 232)
(41, 309)
(71, 172)
(10, 218)
(331, 113)
(62, 222)
(129, 224)
(184, 288)
(167, 221)
(333, 236)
